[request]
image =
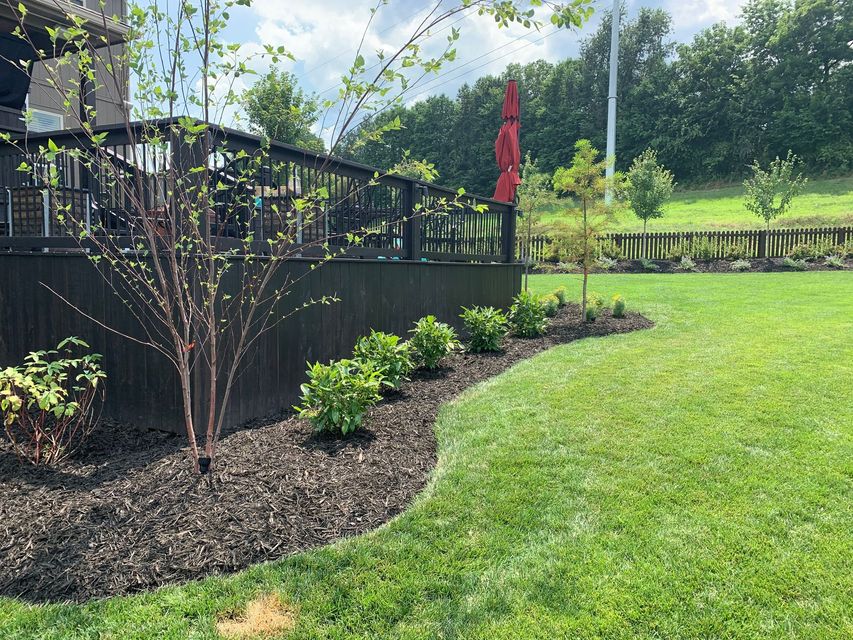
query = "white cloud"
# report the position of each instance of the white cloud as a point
(689, 14)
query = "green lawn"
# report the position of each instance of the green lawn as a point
(824, 202)
(690, 481)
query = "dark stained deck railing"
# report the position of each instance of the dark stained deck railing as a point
(392, 216)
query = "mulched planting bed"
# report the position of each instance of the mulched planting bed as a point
(757, 265)
(127, 514)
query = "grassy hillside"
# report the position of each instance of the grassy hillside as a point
(824, 202)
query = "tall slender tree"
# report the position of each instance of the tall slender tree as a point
(646, 188)
(585, 180)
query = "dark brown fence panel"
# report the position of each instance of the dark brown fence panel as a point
(756, 243)
(142, 389)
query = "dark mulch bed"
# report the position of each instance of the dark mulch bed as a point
(757, 265)
(126, 514)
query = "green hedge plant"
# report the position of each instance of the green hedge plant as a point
(527, 316)
(486, 327)
(618, 304)
(560, 293)
(338, 394)
(387, 355)
(431, 341)
(48, 403)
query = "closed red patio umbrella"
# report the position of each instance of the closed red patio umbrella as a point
(507, 150)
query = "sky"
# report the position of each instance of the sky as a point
(323, 36)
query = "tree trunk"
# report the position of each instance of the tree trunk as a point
(585, 263)
(529, 244)
(645, 222)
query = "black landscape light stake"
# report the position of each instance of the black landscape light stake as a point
(203, 465)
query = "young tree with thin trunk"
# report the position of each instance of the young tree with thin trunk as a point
(184, 188)
(769, 192)
(647, 186)
(533, 193)
(585, 180)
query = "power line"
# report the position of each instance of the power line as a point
(376, 64)
(385, 30)
(427, 87)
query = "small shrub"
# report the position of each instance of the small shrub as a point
(618, 303)
(431, 341)
(338, 394)
(486, 327)
(568, 267)
(740, 265)
(687, 264)
(604, 263)
(697, 248)
(609, 249)
(648, 265)
(814, 250)
(801, 251)
(48, 402)
(527, 316)
(546, 267)
(385, 354)
(594, 305)
(736, 250)
(551, 304)
(795, 264)
(560, 294)
(835, 261)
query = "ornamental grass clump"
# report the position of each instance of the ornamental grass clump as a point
(486, 327)
(431, 341)
(795, 264)
(618, 303)
(834, 261)
(648, 265)
(387, 355)
(687, 264)
(560, 293)
(48, 403)
(338, 394)
(740, 265)
(527, 316)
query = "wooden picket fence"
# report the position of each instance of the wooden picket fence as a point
(751, 243)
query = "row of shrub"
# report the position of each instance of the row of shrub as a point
(337, 395)
(608, 254)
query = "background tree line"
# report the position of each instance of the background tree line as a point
(779, 80)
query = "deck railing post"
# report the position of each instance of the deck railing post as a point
(9, 231)
(508, 233)
(412, 222)
(762, 243)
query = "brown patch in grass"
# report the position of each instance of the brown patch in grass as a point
(265, 616)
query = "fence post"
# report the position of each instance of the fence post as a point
(412, 223)
(508, 233)
(762, 243)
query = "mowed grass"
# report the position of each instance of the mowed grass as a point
(822, 203)
(689, 481)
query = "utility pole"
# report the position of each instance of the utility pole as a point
(611, 101)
